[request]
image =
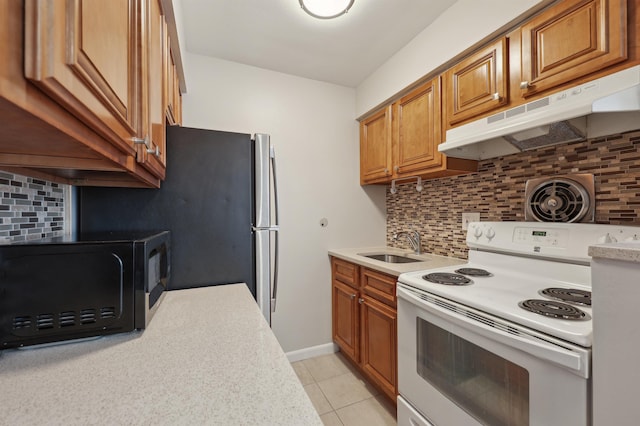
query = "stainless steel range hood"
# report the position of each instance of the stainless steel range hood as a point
(601, 107)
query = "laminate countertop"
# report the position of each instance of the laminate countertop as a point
(207, 357)
(425, 261)
(622, 251)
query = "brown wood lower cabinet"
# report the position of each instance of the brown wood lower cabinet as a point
(365, 322)
(345, 319)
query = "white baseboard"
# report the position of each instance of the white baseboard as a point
(305, 353)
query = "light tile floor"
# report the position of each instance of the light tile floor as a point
(340, 395)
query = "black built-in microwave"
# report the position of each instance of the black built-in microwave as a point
(70, 288)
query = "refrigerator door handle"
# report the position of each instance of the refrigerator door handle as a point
(275, 227)
(272, 154)
(274, 288)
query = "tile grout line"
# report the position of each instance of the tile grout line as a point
(350, 372)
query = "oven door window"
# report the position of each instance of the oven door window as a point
(492, 389)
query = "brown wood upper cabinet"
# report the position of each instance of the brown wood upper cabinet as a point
(477, 84)
(80, 91)
(172, 88)
(417, 130)
(375, 146)
(402, 139)
(572, 39)
(153, 154)
(83, 54)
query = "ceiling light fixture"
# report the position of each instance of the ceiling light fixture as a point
(326, 9)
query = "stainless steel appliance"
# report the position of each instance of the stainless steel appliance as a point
(489, 342)
(219, 200)
(77, 287)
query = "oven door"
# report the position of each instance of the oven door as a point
(459, 366)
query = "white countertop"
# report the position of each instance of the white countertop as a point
(427, 261)
(624, 251)
(207, 357)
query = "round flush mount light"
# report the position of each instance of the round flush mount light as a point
(326, 9)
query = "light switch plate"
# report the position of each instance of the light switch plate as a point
(469, 217)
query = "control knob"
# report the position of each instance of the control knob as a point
(477, 232)
(605, 239)
(490, 234)
(634, 237)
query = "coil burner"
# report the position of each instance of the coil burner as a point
(474, 272)
(447, 278)
(553, 309)
(568, 295)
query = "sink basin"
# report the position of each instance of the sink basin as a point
(391, 258)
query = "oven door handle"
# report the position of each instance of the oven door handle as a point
(478, 322)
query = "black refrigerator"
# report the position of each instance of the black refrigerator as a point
(219, 200)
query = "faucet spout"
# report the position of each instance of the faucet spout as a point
(414, 240)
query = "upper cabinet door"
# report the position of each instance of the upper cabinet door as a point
(477, 84)
(82, 53)
(417, 130)
(375, 147)
(571, 40)
(152, 154)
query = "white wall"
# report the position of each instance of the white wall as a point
(312, 125)
(458, 28)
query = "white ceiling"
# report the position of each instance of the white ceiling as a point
(278, 35)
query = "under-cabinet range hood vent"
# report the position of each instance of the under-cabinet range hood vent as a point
(601, 107)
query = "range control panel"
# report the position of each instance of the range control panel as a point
(543, 237)
(568, 241)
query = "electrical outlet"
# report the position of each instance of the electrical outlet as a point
(469, 217)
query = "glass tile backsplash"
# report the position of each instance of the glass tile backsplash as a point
(496, 191)
(30, 208)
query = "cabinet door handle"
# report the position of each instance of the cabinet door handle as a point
(525, 85)
(353, 296)
(141, 141)
(386, 171)
(396, 169)
(155, 152)
(496, 96)
(360, 300)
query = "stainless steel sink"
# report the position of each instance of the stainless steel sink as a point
(391, 258)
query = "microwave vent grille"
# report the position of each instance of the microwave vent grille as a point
(21, 322)
(87, 316)
(64, 319)
(108, 312)
(67, 319)
(44, 321)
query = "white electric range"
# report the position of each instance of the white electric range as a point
(488, 342)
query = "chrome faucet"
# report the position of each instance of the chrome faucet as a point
(414, 239)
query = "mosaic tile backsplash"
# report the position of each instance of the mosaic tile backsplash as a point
(30, 208)
(496, 191)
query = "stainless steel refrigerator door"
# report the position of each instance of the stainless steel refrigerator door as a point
(266, 225)
(264, 271)
(262, 181)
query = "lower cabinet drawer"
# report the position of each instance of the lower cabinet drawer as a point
(379, 286)
(345, 272)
